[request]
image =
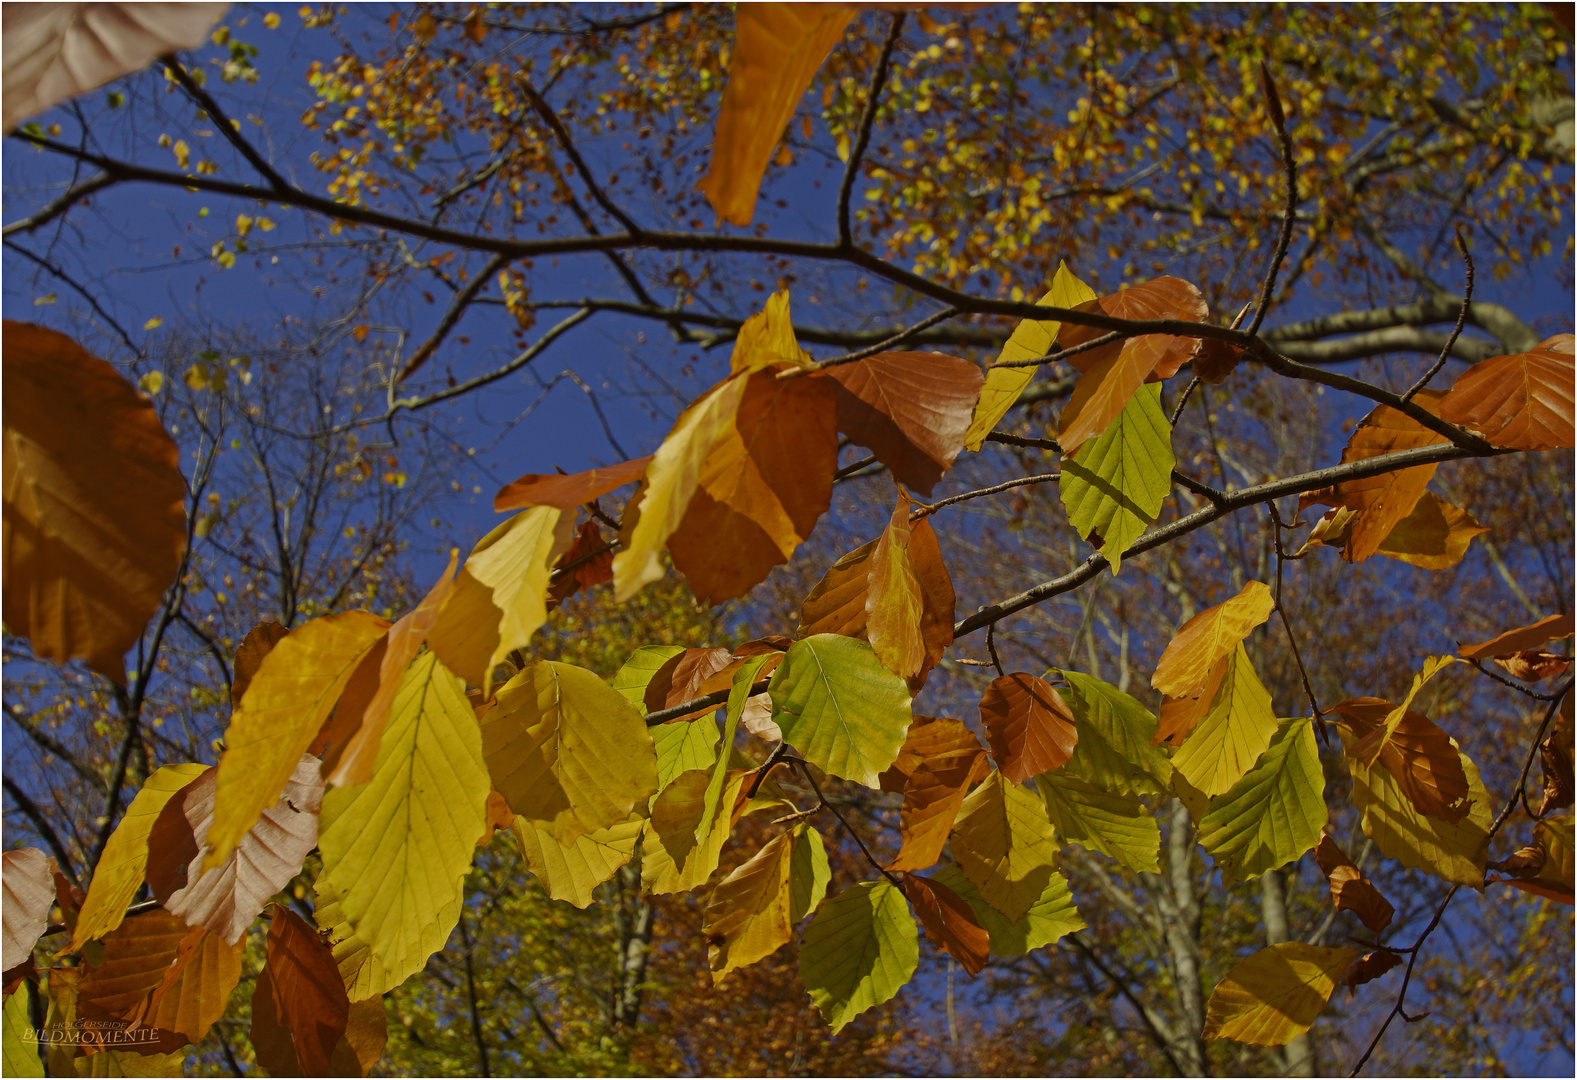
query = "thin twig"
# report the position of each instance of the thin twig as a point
(1286, 624)
(853, 467)
(1456, 331)
(1289, 215)
(804, 771)
(567, 144)
(1063, 354)
(1188, 392)
(60, 204)
(863, 138)
(457, 306)
(880, 347)
(1023, 481)
(709, 701)
(45, 830)
(991, 647)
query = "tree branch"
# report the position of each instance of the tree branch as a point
(863, 138)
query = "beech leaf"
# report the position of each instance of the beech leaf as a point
(1522, 638)
(1276, 994)
(1030, 727)
(859, 951)
(893, 602)
(1202, 642)
(947, 758)
(299, 1007)
(570, 872)
(839, 707)
(949, 922)
(911, 409)
(567, 492)
(28, 881)
(1522, 402)
(1350, 890)
(1115, 485)
(1275, 811)
(1049, 919)
(1005, 845)
(1233, 733)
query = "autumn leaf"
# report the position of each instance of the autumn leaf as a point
(566, 492)
(1201, 643)
(1535, 665)
(1030, 338)
(20, 1056)
(859, 951)
(1029, 725)
(777, 49)
(947, 759)
(680, 678)
(1234, 732)
(1276, 994)
(259, 641)
(766, 340)
(1521, 402)
(836, 605)
(738, 694)
(1115, 485)
(1522, 638)
(299, 1007)
(1005, 845)
(1369, 967)
(1374, 736)
(196, 986)
(1434, 536)
(588, 562)
(1350, 890)
(1420, 757)
(135, 959)
(290, 697)
(568, 751)
(948, 922)
(893, 602)
(1109, 822)
(1115, 750)
(753, 911)
(1544, 868)
(1180, 715)
(912, 410)
(570, 872)
(95, 504)
(29, 890)
(839, 707)
(1275, 811)
(672, 859)
(1051, 917)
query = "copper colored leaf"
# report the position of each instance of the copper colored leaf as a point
(1418, 755)
(1029, 725)
(1160, 298)
(777, 49)
(682, 677)
(936, 594)
(1545, 868)
(912, 410)
(1555, 759)
(1369, 967)
(1524, 637)
(299, 1008)
(588, 562)
(837, 604)
(137, 954)
(196, 986)
(1180, 715)
(1535, 665)
(1187, 665)
(940, 759)
(568, 492)
(892, 599)
(95, 505)
(949, 922)
(228, 897)
(1522, 402)
(1215, 360)
(1350, 890)
(763, 485)
(29, 892)
(249, 656)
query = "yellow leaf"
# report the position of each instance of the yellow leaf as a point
(1005, 845)
(777, 49)
(153, 323)
(1201, 642)
(1276, 994)
(152, 382)
(671, 480)
(1235, 731)
(500, 595)
(120, 869)
(1369, 747)
(396, 849)
(893, 603)
(1029, 340)
(672, 860)
(567, 751)
(571, 872)
(290, 697)
(95, 505)
(752, 911)
(196, 986)
(767, 338)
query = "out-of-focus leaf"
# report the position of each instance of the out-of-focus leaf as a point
(1523, 401)
(947, 759)
(1522, 638)
(1534, 665)
(1369, 967)
(1235, 731)
(259, 641)
(95, 505)
(572, 872)
(396, 849)
(297, 684)
(567, 751)
(1115, 750)
(892, 601)
(949, 922)
(859, 951)
(1276, 994)
(1030, 338)
(56, 51)
(1114, 486)
(1050, 917)
(1274, 813)
(28, 885)
(1030, 727)
(1005, 845)
(912, 410)
(1203, 641)
(20, 1056)
(1350, 890)
(1100, 820)
(839, 707)
(777, 49)
(568, 492)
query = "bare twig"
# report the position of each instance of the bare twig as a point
(41, 824)
(881, 346)
(863, 138)
(457, 306)
(804, 770)
(1289, 215)
(60, 204)
(1286, 624)
(567, 144)
(1023, 481)
(1456, 331)
(230, 131)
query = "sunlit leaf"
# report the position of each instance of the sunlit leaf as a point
(1115, 751)
(259, 641)
(95, 504)
(568, 492)
(1374, 739)
(837, 603)
(1523, 637)
(893, 602)
(911, 409)
(196, 987)
(1114, 486)
(738, 694)
(767, 338)
(1350, 890)
(672, 859)
(1005, 845)
(1049, 918)
(1100, 820)
(20, 1056)
(1030, 727)
(949, 922)
(1233, 733)
(840, 708)
(859, 951)
(1203, 641)
(1418, 754)
(1274, 813)
(571, 872)
(136, 956)
(299, 1007)
(1434, 536)
(1276, 994)
(1523, 401)
(1545, 867)
(29, 891)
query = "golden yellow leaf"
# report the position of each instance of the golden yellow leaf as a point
(892, 601)
(95, 504)
(1200, 643)
(767, 338)
(1005, 845)
(752, 911)
(1233, 733)
(1275, 994)
(571, 872)
(196, 986)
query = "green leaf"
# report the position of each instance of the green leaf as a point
(1100, 820)
(21, 1057)
(839, 707)
(859, 951)
(571, 873)
(1031, 338)
(1005, 845)
(808, 874)
(396, 849)
(682, 745)
(1051, 916)
(1233, 734)
(1114, 751)
(1274, 813)
(1114, 486)
(632, 679)
(1454, 852)
(738, 692)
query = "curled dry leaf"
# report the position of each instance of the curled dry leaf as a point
(949, 922)
(95, 504)
(568, 491)
(766, 340)
(681, 678)
(1418, 754)
(588, 562)
(1369, 967)
(1544, 868)
(1029, 725)
(1523, 401)
(1350, 890)
(911, 409)
(1434, 536)
(1555, 759)
(1535, 665)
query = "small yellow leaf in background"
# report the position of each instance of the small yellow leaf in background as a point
(48, 298)
(182, 152)
(1276, 994)
(243, 225)
(271, 20)
(153, 323)
(152, 382)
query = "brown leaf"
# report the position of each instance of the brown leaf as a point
(1534, 665)
(949, 922)
(95, 505)
(1350, 890)
(1417, 753)
(939, 761)
(837, 604)
(29, 891)
(1521, 639)
(259, 641)
(1029, 725)
(1544, 868)
(588, 562)
(1382, 501)
(137, 955)
(499, 816)
(299, 1008)
(1160, 298)
(1369, 967)
(1180, 715)
(912, 410)
(228, 897)
(1523, 401)
(892, 598)
(937, 597)
(1555, 758)
(680, 679)
(568, 492)
(761, 488)
(1215, 360)
(196, 986)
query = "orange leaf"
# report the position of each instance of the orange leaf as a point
(1369, 967)
(1160, 298)
(137, 955)
(1180, 715)
(912, 410)
(837, 604)
(949, 922)
(1417, 753)
(568, 492)
(892, 600)
(1350, 890)
(499, 816)
(1215, 360)
(1029, 725)
(940, 759)
(762, 488)
(196, 986)
(1534, 665)
(777, 49)
(258, 642)
(1195, 651)
(1521, 639)
(1523, 401)
(299, 1009)
(95, 505)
